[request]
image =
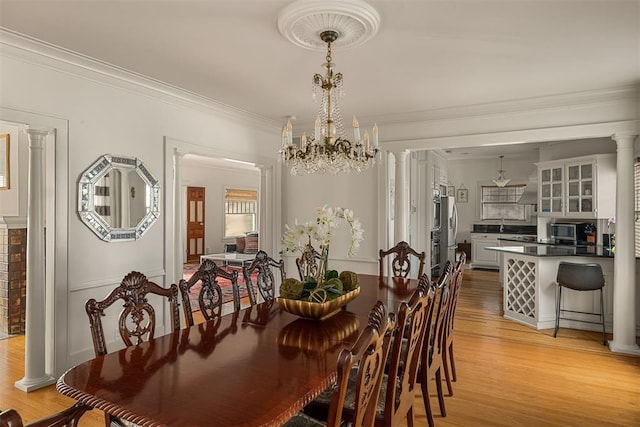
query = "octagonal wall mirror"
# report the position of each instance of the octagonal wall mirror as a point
(118, 198)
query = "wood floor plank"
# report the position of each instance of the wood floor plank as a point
(508, 374)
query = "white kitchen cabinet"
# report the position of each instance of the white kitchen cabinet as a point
(483, 258)
(579, 187)
(550, 189)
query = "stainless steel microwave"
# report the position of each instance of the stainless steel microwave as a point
(583, 233)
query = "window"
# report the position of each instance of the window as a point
(240, 211)
(636, 186)
(502, 202)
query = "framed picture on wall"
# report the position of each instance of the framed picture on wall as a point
(463, 195)
(451, 190)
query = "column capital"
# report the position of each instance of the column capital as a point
(624, 136)
(263, 168)
(36, 136)
(400, 153)
(179, 152)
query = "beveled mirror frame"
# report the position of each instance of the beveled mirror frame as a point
(87, 193)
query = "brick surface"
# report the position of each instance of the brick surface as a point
(13, 272)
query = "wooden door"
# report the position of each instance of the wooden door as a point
(195, 223)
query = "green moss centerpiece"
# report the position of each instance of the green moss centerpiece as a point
(323, 294)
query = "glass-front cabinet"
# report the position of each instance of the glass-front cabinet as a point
(551, 189)
(579, 187)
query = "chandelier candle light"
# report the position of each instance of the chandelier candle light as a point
(328, 149)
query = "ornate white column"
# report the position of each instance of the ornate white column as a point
(401, 204)
(178, 221)
(624, 292)
(35, 375)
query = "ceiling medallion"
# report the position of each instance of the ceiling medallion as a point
(355, 21)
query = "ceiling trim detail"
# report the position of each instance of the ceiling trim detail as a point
(31, 50)
(302, 21)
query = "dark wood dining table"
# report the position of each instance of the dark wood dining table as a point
(255, 367)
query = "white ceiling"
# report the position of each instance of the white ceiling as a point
(427, 55)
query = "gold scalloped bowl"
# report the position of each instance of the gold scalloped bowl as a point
(315, 310)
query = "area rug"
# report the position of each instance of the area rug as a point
(225, 285)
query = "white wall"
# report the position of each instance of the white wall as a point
(358, 192)
(215, 180)
(576, 148)
(110, 115)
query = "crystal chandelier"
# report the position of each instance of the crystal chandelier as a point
(501, 181)
(327, 149)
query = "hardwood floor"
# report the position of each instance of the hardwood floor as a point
(508, 374)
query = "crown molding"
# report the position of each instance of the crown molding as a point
(507, 137)
(37, 52)
(547, 103)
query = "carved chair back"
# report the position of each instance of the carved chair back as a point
(431, 363)
(210, 296)
(405, 354)
(137, 321)
(447, 340)
(401, 262)
(308, 262)
(68, 417)
(263, 265)
(361, 370)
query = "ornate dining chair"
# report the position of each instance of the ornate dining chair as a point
(401, 262)
(210, 299)
(68, 417)
(308, 262)
(261, 270)
(447, 349)
(400, 380)
(137, 321)
(397, 392)
(431, 356)
(360, 373)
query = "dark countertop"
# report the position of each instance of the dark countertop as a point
(522, 239)
(506, 229)
(546, 250)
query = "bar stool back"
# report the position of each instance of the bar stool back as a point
(579, 277)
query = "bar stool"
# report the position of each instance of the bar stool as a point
(580, 277)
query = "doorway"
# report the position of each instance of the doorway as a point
(195, 223)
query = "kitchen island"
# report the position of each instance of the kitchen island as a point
(529, 280)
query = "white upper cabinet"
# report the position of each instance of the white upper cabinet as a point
(550, 189)
(579, 187)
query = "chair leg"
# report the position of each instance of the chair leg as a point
(410, 417)
(425, 397)
(252, 295)
(453, 363)
(558, 298)
(443, 411)
(236, 298)
(445, 367)
(604, 336)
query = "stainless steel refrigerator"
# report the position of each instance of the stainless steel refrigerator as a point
(448, 230)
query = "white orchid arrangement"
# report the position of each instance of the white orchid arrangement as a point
(299, 236)
(326, 284)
